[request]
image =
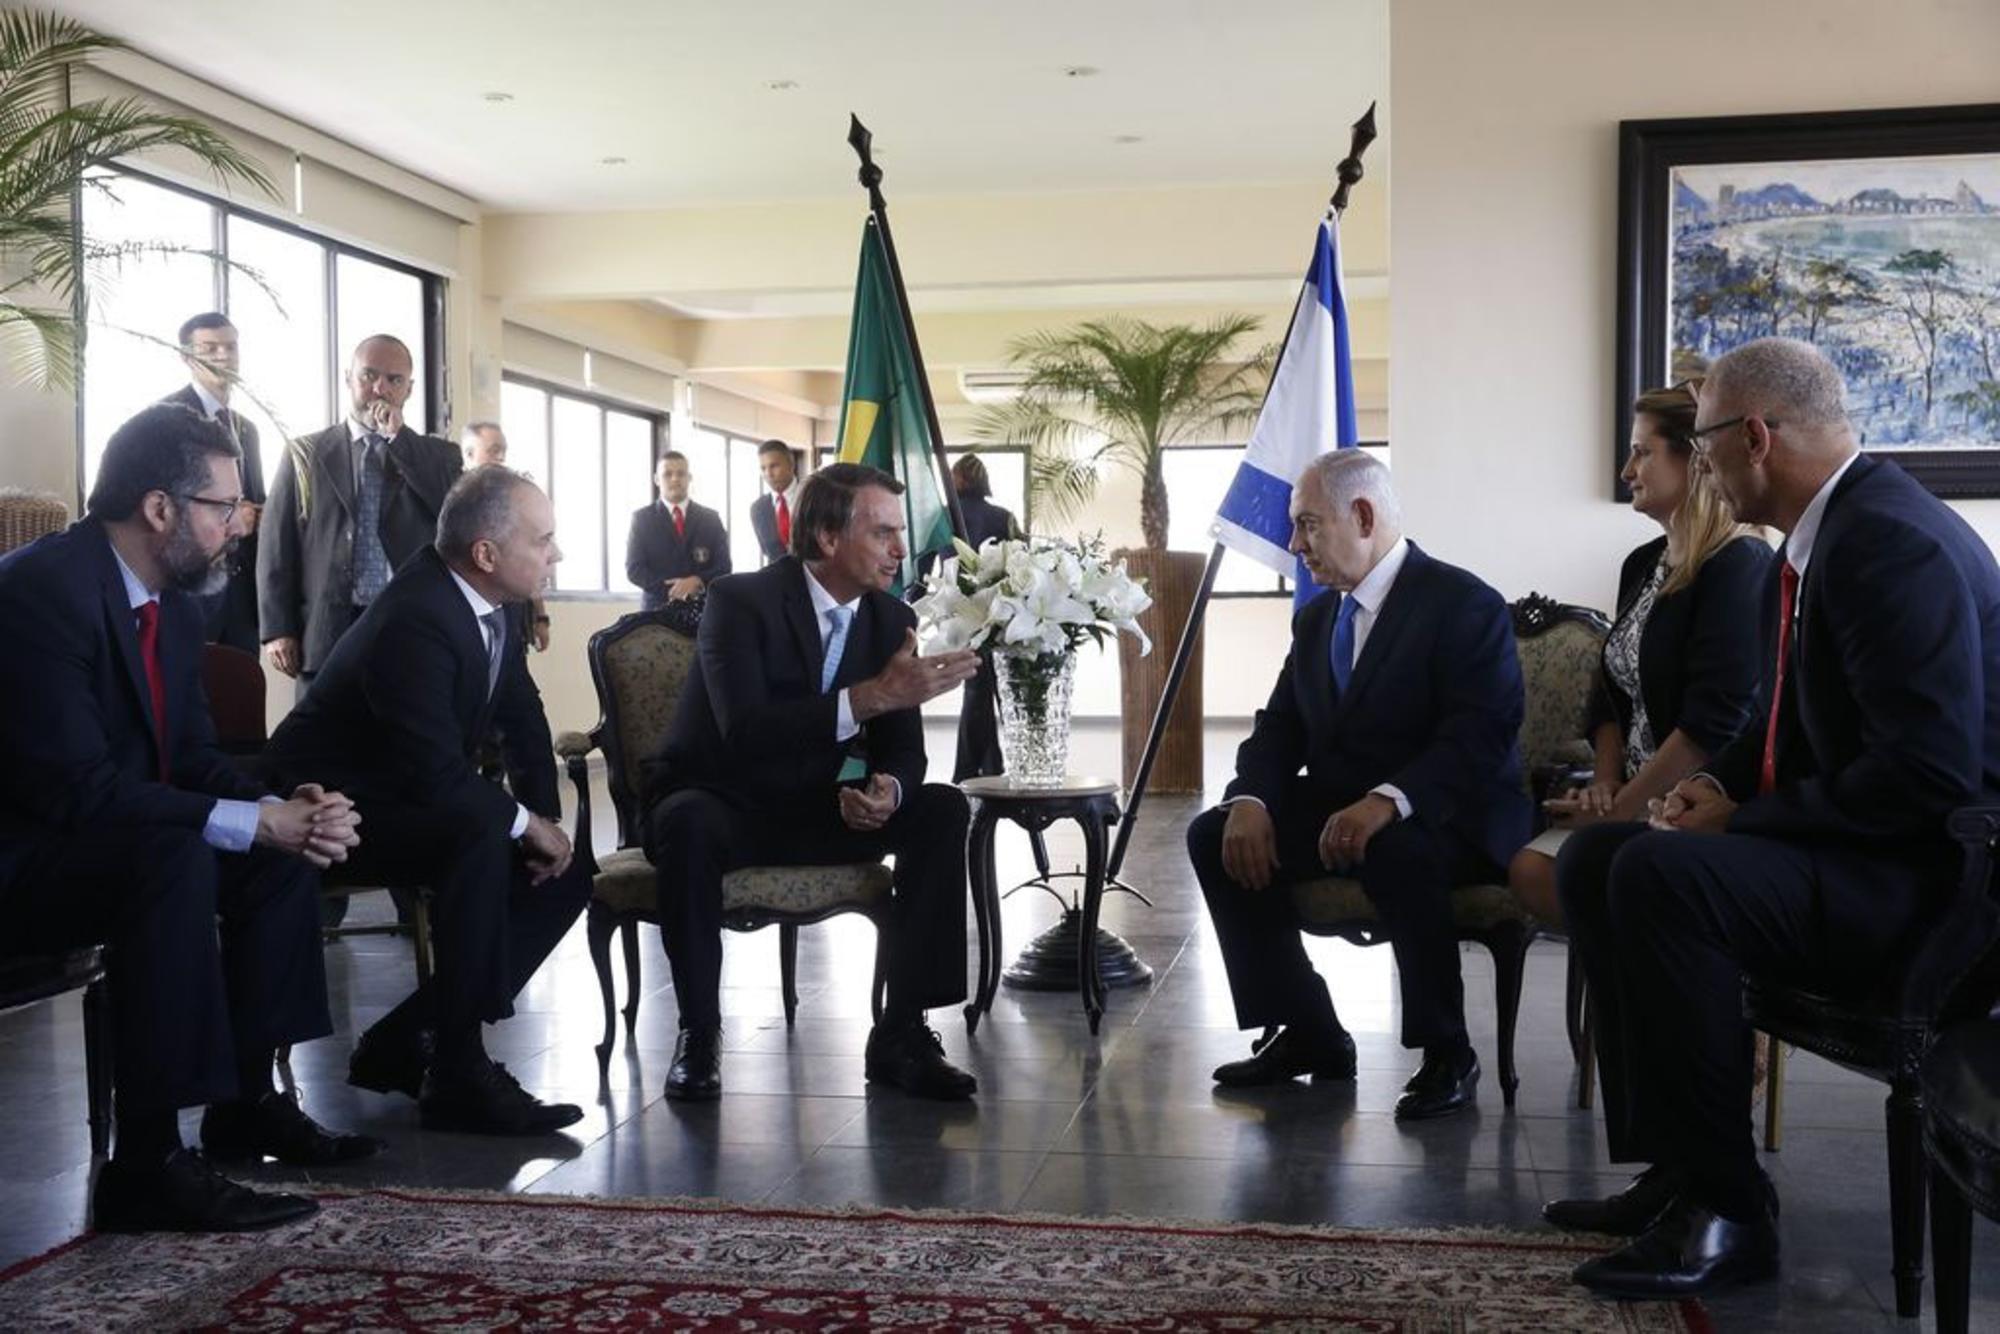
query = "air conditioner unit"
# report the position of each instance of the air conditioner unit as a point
(991, 386)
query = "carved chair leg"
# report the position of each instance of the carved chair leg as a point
(1510, 961)
(599, 927)
(420, 929)
(1907, 1173)
(97, 1064)
(1586, 1074)
(1951, 1253)
(1574, 1001)
(788, 969)
(1774, 1093)
(629, 933)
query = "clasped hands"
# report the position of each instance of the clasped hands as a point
(1250, 839)
(1697, 805)
(313, 823)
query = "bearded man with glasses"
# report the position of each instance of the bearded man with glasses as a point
(122, 824)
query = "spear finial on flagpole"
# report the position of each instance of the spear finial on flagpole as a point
(1349, 170)
(871, 175)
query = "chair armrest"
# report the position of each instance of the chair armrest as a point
(1954, 971)
(575, 748)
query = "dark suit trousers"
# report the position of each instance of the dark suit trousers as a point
(490, 927)
(1666, 925)
(696, 836)
(979, 726)
(185, 996)
(1408, 874)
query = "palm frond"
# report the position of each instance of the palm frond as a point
(37, 346)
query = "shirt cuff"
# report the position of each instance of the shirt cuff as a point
(897, 784)
(520, 822)
(844, 725)
(232, 825)
(1395, 794)
(1245, 796)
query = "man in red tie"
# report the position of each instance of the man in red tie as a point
(1811, 847)
(676, 547)
(771, 512)
(122, 824)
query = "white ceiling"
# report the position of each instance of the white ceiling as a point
(962, 97)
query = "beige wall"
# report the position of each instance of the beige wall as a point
(1503, 233)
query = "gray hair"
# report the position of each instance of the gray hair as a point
(1790, 380)
(1348, 475)
(478, 508)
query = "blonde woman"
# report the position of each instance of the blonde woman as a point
(1681, 663)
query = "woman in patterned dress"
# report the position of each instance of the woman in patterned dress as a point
(1681, 664)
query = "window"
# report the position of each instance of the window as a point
(595, 457)
(299, 302)
(1197, 478)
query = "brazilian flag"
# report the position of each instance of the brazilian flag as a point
(882, 422)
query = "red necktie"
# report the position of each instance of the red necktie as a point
(1788, 595)
(784, 521)
(680, 523)
(149, 654)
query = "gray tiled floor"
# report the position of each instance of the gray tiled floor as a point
(1124, 1122)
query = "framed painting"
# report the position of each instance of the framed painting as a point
(1874, 235)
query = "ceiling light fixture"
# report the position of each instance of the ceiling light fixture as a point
(1080, 71)
(1128, 138)
(497, 96)
(611, 161)
(782, 85)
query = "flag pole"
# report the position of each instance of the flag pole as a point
(1348, 173)
(878, 209)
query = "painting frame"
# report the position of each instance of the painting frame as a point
(1648, 153)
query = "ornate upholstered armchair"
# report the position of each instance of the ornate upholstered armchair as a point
(1559, 646)
(639, 666)
(27, 978)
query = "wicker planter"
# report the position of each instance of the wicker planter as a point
(1173, 578)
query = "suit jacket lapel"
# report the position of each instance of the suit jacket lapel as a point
(125, 634)
(1395, 614)
(1312, 665)
(800, 618)
(332, 465)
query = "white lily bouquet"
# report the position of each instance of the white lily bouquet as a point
(1030, 603)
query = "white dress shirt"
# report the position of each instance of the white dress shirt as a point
(232, 824)
(481, 609)
(210, 404)
(1799, 542)
(823, 602)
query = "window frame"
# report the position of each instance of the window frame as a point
(658, 419)
(220, 211)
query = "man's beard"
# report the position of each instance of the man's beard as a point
(189, 569)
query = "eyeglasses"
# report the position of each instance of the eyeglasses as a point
(1700, 444)
(228, 507)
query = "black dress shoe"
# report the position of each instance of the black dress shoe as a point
(389, 1062)
(185, 1194)
(696, 1074)
(1286, 1057)
(484, 1099)
(1629, 1213)
(911, 1058)
(275, 1126)
(1441, 1086)
(1691, 1251)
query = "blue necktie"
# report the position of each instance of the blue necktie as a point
(371, 562)
(1343, 642)
(835, 642)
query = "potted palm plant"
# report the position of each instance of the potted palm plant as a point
(1119, 392)
(49, 146)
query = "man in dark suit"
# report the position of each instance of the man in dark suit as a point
(676, 548)
(122, 824)
(798, 741)
(772, 511)
(978, 709)
(1400, 700)
(208, 346)
(429, 671)
(1811, 848)
(368, 502)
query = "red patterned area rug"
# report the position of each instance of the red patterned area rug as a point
(419, 1260)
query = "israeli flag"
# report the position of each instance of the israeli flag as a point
(1308, 411)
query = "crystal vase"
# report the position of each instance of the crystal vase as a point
(1034, 715)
